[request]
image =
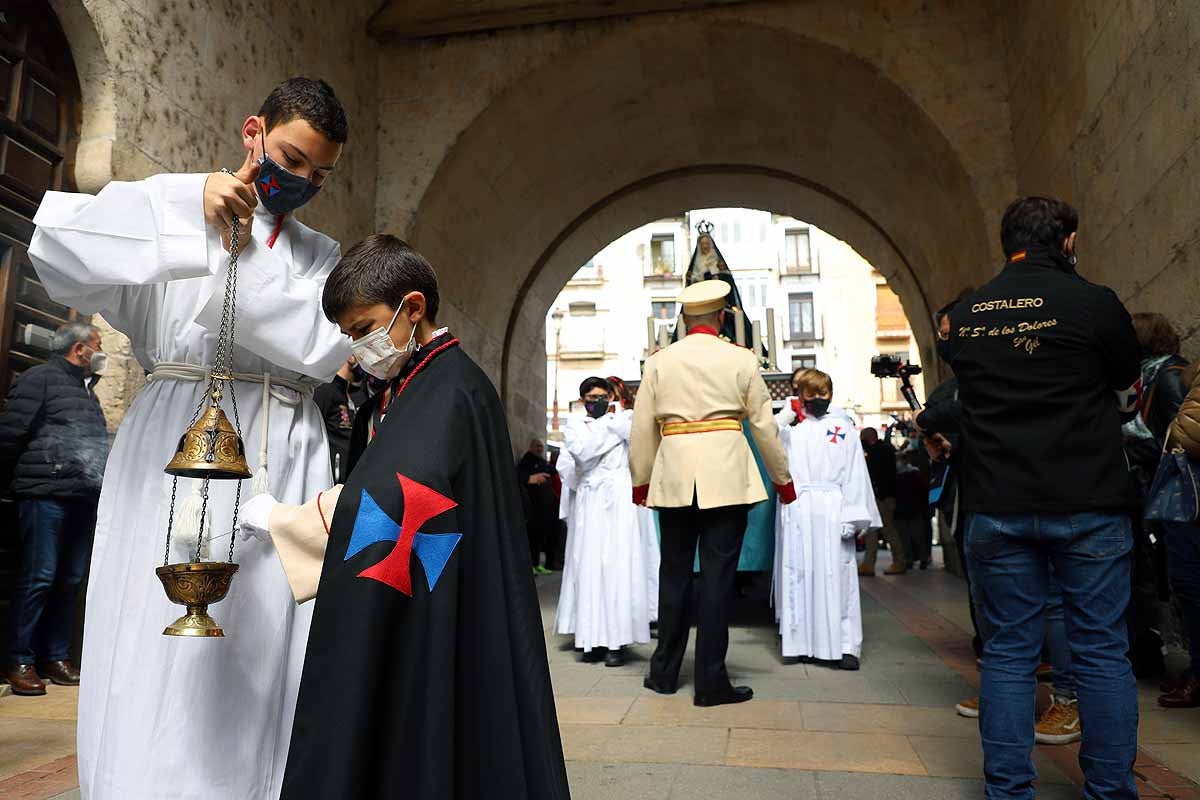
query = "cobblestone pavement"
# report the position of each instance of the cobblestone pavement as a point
(888, 731)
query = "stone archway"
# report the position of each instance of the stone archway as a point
(668, 117)
(98, 124)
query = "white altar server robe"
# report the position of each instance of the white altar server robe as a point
(604, 600)
(167, 717)
(816, 575)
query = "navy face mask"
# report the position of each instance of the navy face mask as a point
(596, 408)
(281, 191)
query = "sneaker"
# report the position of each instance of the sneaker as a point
(540, 570)
(1059, 725)
(968, 708)
(866, 572)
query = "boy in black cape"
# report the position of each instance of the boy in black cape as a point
(426, 675)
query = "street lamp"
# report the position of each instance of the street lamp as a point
(557, 316)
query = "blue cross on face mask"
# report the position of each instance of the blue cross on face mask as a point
(281, 191)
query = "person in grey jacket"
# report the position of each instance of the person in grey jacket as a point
(53, 445)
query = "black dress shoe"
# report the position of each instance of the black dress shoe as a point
(615, 658)
(734, 694)
(593, 656)
(849, 663)
(655, 686)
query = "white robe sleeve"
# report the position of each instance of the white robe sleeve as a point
(279, 315)
(588, 442)
(570, 479)
(622, 425)
(858, 499)
(300, 535)
(111, 253)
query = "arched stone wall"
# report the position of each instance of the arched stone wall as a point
(93, 157)
(530, 189)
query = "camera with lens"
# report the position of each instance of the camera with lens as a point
(892, 367)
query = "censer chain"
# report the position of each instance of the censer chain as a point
(223, 365)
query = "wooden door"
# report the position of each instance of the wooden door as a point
(39, 128)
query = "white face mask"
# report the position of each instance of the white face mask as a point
(378, 355)
(97, 362)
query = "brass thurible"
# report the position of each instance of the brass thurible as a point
(210, 449)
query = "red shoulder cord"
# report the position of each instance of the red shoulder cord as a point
(413, 374)
(275, 233)
(321, 511)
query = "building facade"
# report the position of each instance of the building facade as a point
(829, 308)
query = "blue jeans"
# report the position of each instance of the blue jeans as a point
(56, 542)
(1055, 642)
(1183, 569)
(1012, 558)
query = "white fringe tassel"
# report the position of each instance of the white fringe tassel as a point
(261, 483)
(187, 526)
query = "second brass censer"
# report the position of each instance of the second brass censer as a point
(211, 449)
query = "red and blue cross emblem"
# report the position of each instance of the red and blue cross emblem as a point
(269, 185)
(373, 525)
(835, 435)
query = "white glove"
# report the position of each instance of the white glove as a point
(253, 518)
(849, 531)
(788, 415)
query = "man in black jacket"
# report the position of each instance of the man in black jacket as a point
(1047, 365)
(536, 477)
(53, 445)
(339, 401)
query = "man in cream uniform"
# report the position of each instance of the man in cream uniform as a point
(691, 462)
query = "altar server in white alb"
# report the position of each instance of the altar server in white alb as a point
(605, 600)
(196, 719)
(653, 560)
(816, 576)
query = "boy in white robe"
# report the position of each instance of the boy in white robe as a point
(604, 601)
(164, 717)
(816, 575)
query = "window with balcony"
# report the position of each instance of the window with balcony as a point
(807, 361)
(801, 317)
(753, 291)
(664, 309)
(797, 252)
(582, 308)
(662, 254)
(590, 274)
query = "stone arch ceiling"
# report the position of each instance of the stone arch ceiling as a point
(690, 95)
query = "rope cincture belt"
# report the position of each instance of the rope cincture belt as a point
(182, 371)
(702, 426)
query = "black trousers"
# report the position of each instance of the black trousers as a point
(720, 532)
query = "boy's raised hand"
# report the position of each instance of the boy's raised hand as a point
(229, 195)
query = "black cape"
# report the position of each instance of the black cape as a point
(445, 693)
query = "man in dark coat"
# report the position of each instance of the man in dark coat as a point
(535, 477)
(426, 674)
(339, 401)
(53, 445)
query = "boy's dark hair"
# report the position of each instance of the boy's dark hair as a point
(1037, 221)
(380, 269)
(594, 383)
(1156, 335)
(311, 100)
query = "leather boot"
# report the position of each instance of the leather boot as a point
(60, 673)
(1186, 695)
(23, 679)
